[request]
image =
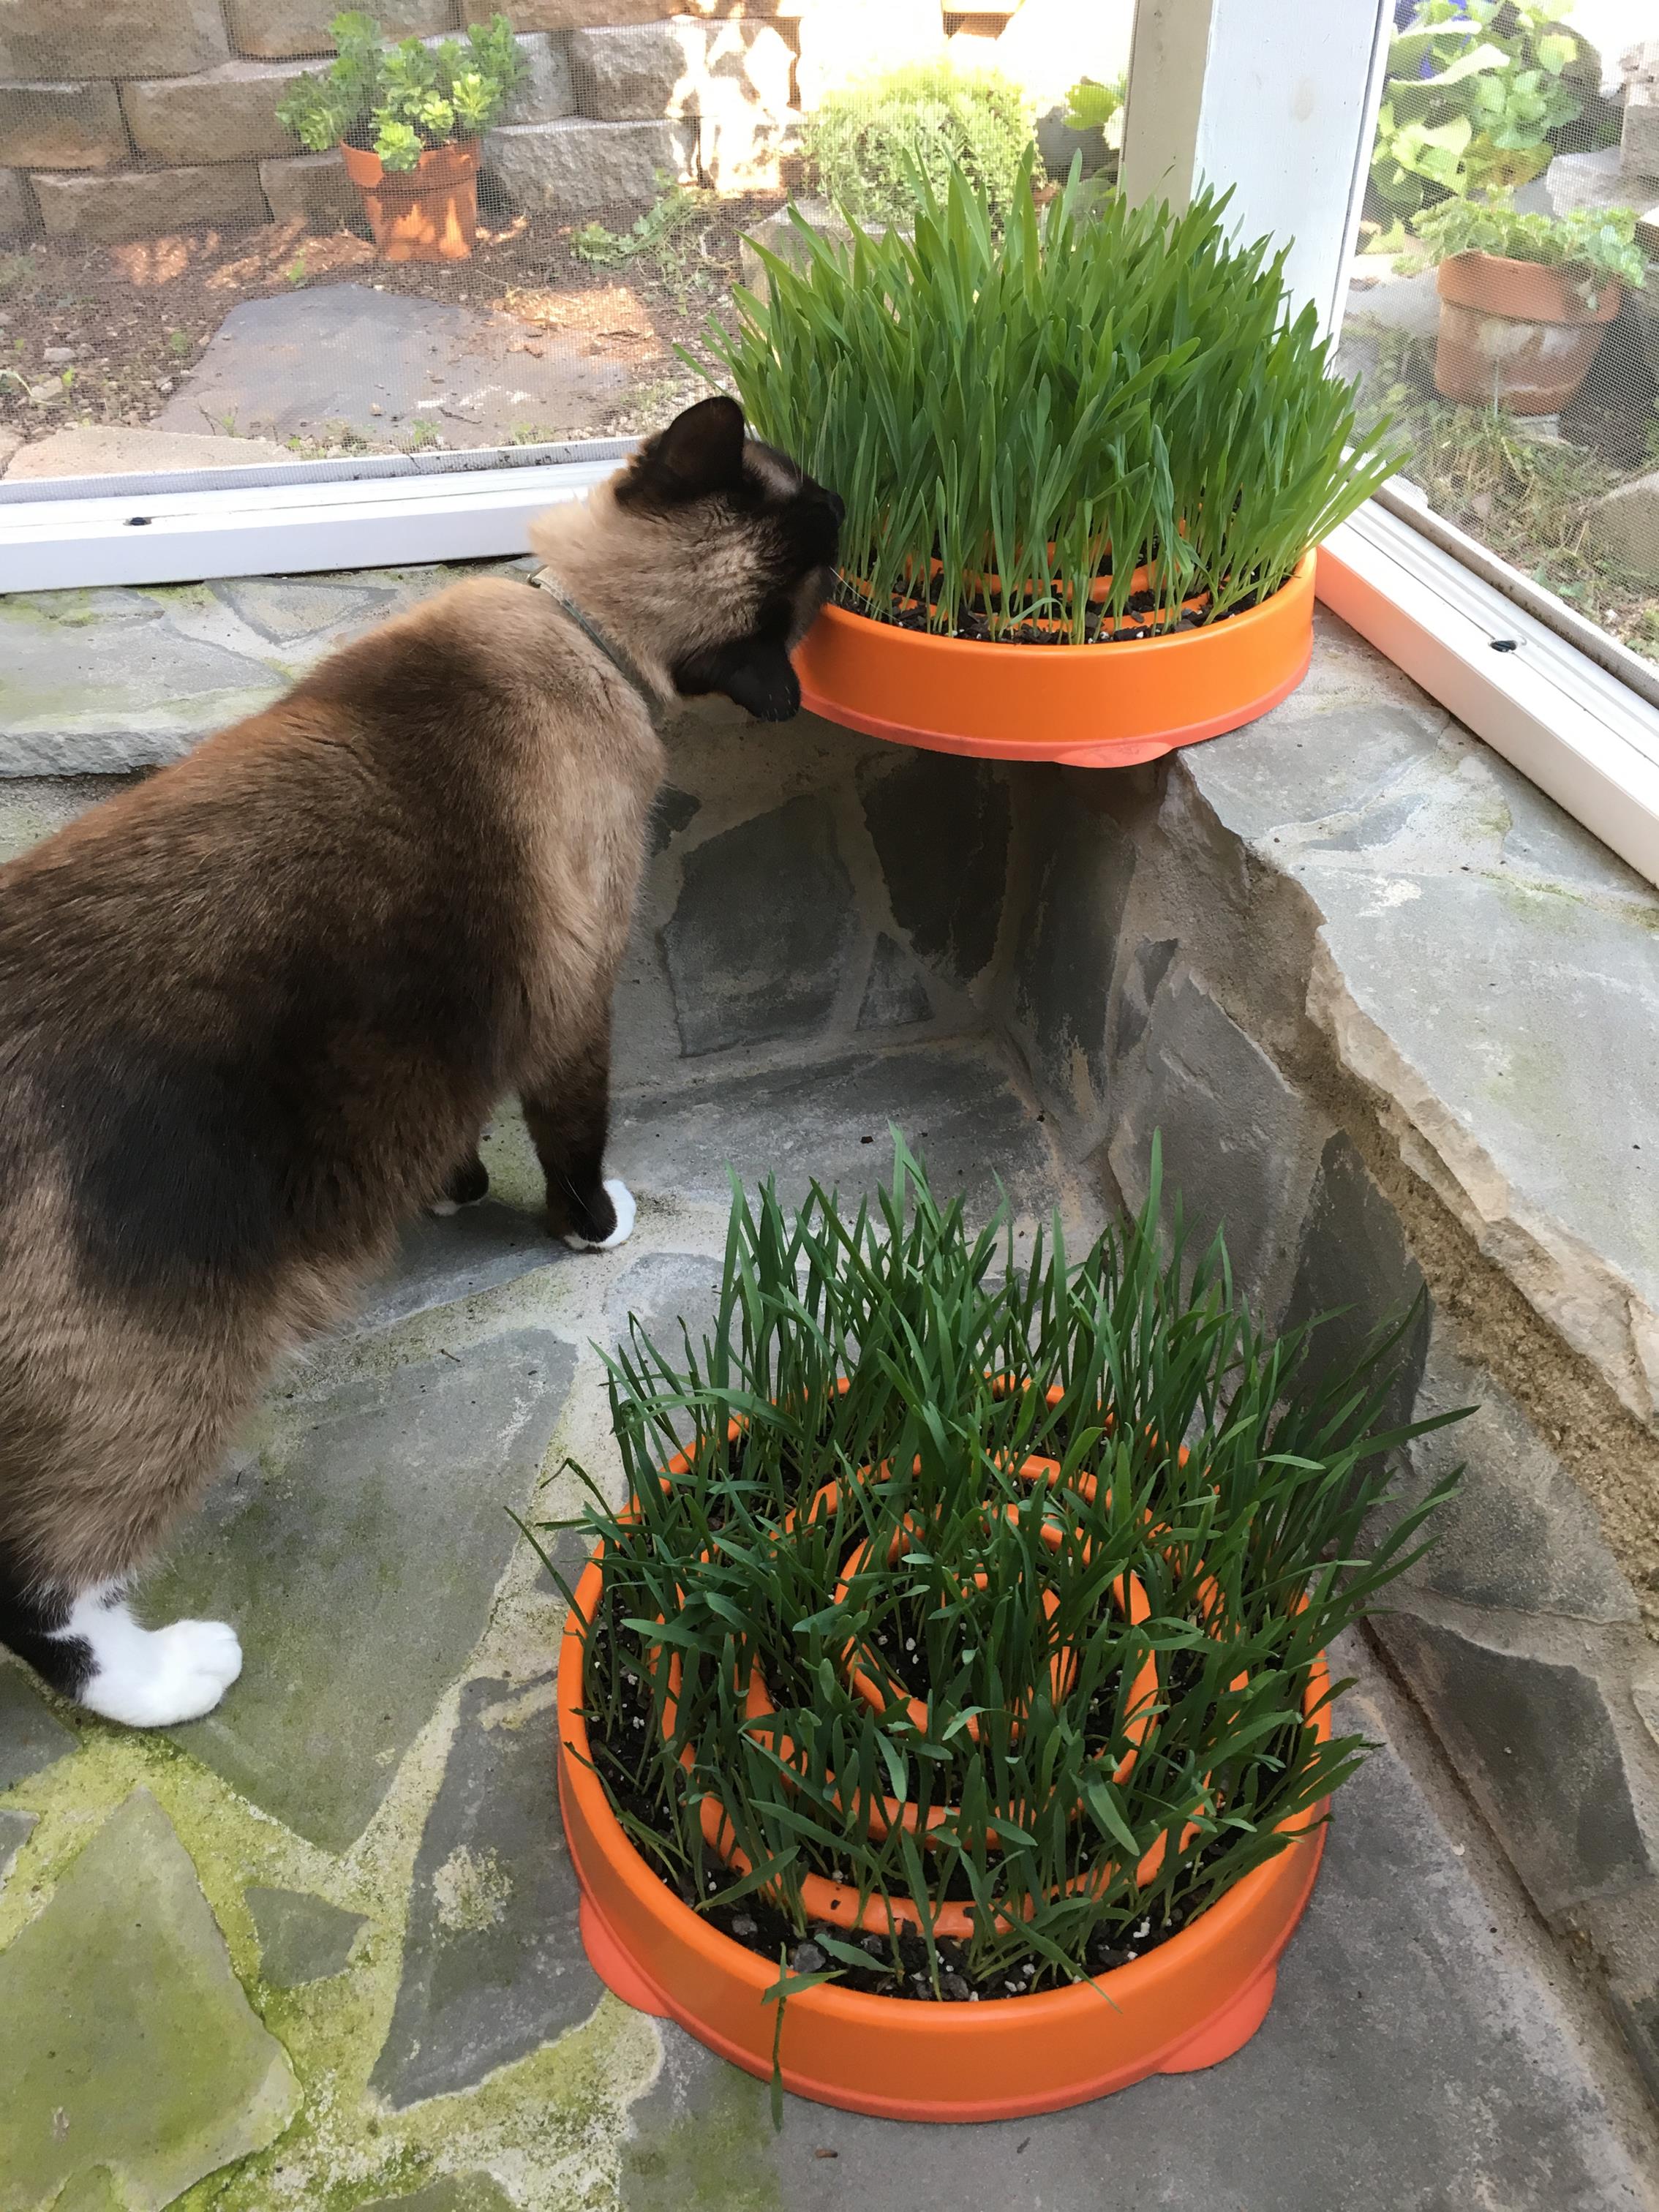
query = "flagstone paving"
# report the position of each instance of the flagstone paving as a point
(319, 1949)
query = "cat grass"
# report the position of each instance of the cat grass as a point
(1035, 419)
(1242, 1485)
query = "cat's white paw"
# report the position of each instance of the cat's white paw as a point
(623, 1199)
(443, 1207)
(151, 1677)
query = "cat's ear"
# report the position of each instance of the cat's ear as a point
(701, 453)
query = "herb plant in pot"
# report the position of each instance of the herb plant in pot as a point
(407, 119)
(1525, 300)
(1085, 457)
(940, 1734)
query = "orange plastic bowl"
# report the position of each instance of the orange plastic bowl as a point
(1089, 705)
(1188, 2004)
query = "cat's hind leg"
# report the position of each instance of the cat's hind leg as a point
(469, 1183)
(567, 1113)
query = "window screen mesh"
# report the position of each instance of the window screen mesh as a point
(1505, 306)
(176, 266)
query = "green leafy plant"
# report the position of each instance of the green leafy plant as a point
(1592, 244)
(856, 1430)
(1475, 91)
(661, 235)
(1013, 417)
(867, 143)
(1091, 106)
(402, 99)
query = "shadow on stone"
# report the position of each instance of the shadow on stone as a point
(358, 1561)
(493, 1965)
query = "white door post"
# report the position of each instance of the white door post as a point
(1276, 98)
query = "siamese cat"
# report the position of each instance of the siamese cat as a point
(255, 1011)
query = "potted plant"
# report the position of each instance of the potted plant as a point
(1084, 458)
(1475, 95)
(407, 119)
(1525, 300)
(938, 1734)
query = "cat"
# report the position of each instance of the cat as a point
(255, 1011)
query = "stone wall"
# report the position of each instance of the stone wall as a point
(123, 121)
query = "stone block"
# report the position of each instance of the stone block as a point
(312, 189)
(1238, 1141)
(681, 67)
(592, 15)
(1354, 1269)
(140, 693)
(671, 1295)
(15, 1829)
(548, 92)
(781, 234)
(384, 1503)
(455, 2192)
(583, 168)
(302, 1938)
(1519, 1534)
(896, 994)
(275, 30)
(842, 41)
(126, 2044)
(330, 354)
(629, 73)
(1082, 867)
(756, 946)
(1535, 1742)
(442, 1258)
(492, 1965)
(830, 1119)
(18, 217)
(61, 126)
(940, 825)
(1624, 523)
(1586, 181)
(113, 449)
(122, 204)
(1638, 144)
(31, 1739)
(63, 40)
(744, 148)
(224, 114)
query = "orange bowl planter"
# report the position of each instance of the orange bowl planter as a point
(1089, 705)
(1188, 2004)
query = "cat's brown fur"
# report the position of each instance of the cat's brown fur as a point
(254, 1011)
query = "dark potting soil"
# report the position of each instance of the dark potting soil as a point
(898, 1965)
(973, 623)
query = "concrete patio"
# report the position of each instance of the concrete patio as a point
(319, 1949)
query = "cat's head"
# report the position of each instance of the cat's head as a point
(735, 547)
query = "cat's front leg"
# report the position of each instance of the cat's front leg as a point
(86, 1643)
(567, 1113)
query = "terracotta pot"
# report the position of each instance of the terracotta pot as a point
(1091, 706)
(1516, 334)
(429, 213)
(1190, 2003)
